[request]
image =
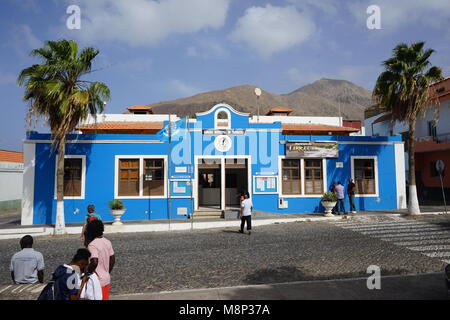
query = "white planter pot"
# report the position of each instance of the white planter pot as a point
(328, 205)
(117, 214)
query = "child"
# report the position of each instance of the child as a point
(92, 290)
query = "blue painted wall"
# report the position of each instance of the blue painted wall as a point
(100, 169)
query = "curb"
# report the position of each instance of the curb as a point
(179, 226)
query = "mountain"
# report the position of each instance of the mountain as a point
(322, 98)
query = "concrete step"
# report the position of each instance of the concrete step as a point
(207, 213)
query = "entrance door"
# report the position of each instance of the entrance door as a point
(209, 183)
(236, 180)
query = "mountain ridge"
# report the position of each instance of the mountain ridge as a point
(324, 97)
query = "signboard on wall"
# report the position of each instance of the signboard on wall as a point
(265, 184)
(180, 188)
(312, 150)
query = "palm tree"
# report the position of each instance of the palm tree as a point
(55, 92)
(403, 90)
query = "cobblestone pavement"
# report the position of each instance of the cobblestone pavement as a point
(153, 262)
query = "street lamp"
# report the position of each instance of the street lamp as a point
(258, 93)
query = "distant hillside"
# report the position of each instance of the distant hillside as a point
(321, 98)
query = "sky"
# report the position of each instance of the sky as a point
(152, 51)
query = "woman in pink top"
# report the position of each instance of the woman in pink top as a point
(102, 255)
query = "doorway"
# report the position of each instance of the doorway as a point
(209, 184)
(236, 181)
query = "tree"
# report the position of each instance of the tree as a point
(403, 90)
(55, 92)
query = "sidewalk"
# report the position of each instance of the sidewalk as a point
(11, 229)
(421, 287)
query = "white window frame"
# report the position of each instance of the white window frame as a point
(83, 176)
(375, 164)
(302, 179)
(216, 119)
(141, 174)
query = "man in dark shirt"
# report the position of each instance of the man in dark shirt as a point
(351, 195)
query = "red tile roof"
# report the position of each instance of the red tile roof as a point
(140, 108)
(279, 110)
(11, 156)
(317, 128)
(111, 127)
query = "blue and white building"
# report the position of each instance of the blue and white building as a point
(163, 166)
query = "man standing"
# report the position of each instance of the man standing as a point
(340, 196)
(102, 255)
(27, 266)
(246, 213)
(351, 195)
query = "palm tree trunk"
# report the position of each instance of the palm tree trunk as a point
(413, 206)
(60, 226)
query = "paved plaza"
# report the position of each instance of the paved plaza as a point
(157, 262)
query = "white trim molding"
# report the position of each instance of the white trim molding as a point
(399, 152)
(220, 105)
(83, 176)
(375, 164)
(141, 174)
(302, 178)
(222, 172)
(29, 152)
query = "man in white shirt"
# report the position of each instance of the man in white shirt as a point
(246, 213)
(27, 266)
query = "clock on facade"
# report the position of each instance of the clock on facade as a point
(222, 143)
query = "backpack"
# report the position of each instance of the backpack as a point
(90, 219)
(48, 293)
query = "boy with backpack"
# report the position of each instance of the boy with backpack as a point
(67, 283)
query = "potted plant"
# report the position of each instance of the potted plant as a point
(329, 200)
(117, 210)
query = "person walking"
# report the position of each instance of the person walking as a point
(340, 196)
(246, 213)
(102, 255)
(351, 187)
(27, 266)
(91, 216)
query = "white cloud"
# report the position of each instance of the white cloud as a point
(148, 22)
(270, 29)
(401, 13)
(23, 40)
(329, 7)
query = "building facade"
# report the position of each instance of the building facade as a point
(165, 167)
(432, 142)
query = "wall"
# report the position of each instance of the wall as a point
(10, 185)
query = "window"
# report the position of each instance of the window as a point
(222, 119)
(128, 177)
(154, 177)
(364, 176)
(313, 176)
(432, 129)
(140, 176)
(291, 183)
(73, 177)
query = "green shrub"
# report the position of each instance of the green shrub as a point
(329, 196)
(116, 205)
